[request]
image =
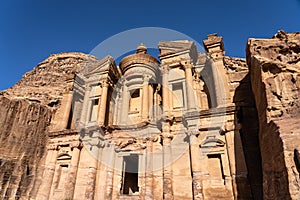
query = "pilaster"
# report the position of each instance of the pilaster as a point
(103, 102)
(167, 160)
(151, 94)
(67, 108)
(165, 90)
(45, 188)
(145, 100)
(73, 170)
(85, 105)
(189, 85)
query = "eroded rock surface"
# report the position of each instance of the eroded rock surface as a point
(275, 75)
(26, 111)
(47, 82)
(23, 140)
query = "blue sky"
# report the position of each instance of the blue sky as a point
(32, 30)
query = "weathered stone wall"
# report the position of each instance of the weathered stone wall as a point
(22, 145)
(274, 71)
(26, 110)
(50, 79)
(246, 118)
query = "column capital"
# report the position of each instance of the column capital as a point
(167, 137)
(191, 132)
(158, 88)
(76, 144)
(146, 78)
(105, 83)
(88, 87)
(197, 76)
(187, 64)
(52, 147)
(164, 68)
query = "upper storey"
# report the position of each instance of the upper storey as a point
(174, 52)
(143, 89)
(140, 62)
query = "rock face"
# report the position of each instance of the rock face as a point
(274, 70)
(47, 82)
(26, 112)
(240, 85)
(187, 126)
(22, 145)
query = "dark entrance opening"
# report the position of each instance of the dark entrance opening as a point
(130, 174)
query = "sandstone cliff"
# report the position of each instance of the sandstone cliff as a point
(22, 145)
(242, 97)
(275, 76)
(26, 110)
(47, 82)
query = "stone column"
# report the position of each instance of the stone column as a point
(89, 111)
(167, 159)
(155, 106)
(56, 180)
(215, 48)
(103, 102)
(198, 91)
(110, 159)
(85, 106)
(117, 110)
(100, 174)
(165, 89)
(234, 150)
(149, 171)
(195, 167)
(45, 188)
(151, 101)
(125, 105)
(145, 100)
(91, 184)
(189, 85)
(73, 170)
(67, 109)
(218, 83)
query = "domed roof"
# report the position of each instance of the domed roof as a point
(141, 59)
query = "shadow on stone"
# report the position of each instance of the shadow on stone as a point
(249, 134)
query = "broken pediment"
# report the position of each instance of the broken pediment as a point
(105, 65)
(183, 48)
(130, 145)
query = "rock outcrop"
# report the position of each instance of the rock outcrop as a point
(247, 118)
(275, 76)
(23, 140)
(26, 111)
(47, 82)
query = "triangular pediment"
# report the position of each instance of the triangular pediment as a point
(103, 66)
(174, 47)
(100, 67)
(180, 49)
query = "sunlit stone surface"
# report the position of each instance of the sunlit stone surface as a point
(185, 125)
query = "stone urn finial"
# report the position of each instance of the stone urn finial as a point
(141, 49)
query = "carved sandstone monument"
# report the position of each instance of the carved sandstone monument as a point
(185, 125)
